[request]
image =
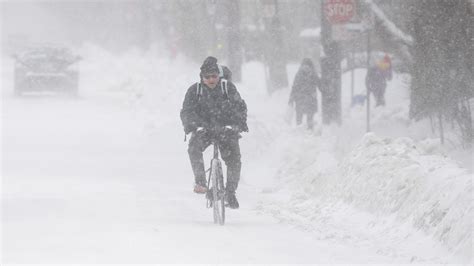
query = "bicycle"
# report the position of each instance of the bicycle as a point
(216, 194)
(215, 183)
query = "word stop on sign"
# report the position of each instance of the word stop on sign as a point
(339, 11)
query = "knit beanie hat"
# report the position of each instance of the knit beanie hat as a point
(209, 66)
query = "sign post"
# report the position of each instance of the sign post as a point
(336, 14)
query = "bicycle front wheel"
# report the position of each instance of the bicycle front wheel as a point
(218, 191)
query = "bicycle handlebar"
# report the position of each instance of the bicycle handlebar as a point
(216, 130)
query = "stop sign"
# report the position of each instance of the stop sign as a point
(339, 11)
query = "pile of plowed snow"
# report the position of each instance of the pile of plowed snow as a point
(401, 177)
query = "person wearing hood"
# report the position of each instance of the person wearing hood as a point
(303, 94)
(214, 105)
(376, 79)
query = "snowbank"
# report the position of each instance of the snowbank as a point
(134, 72)
(401, 177)
(403, 190)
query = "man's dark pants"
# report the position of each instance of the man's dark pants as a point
(229, 148)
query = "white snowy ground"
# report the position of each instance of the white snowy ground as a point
(106, 179)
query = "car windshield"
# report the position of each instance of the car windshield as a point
(47, 59)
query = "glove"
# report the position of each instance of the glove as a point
(188, 129)
(233, 128)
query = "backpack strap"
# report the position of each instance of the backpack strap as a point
(224, 88)
(198, 90)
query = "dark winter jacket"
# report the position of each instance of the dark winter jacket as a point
(303, 92)
(376, 79)
(213, 108)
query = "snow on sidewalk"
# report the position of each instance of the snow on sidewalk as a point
(403, 197)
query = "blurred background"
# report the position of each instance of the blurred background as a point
(430, 40)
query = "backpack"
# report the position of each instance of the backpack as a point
(225, 73)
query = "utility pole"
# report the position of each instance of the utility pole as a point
(275, 55)
(211, 8)
(234, 47)
(369, 50)
(352, 71)
(369, 24)
(330, 72)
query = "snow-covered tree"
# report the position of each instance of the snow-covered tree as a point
(442, 72)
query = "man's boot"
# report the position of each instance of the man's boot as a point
(231, 200)
(200, 186)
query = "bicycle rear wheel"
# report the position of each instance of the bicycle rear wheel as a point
(218, 191)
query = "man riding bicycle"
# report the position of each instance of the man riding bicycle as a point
(214, 111)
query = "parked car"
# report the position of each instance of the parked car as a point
(46, 68)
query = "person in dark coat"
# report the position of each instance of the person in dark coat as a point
(376, 79)
(213, 110)
(303, 93)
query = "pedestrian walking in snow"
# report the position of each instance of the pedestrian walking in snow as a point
(214, 105)
(376, 79)
(303, 96)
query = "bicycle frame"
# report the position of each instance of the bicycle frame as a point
(216, 184)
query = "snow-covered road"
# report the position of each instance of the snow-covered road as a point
(83, 183)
